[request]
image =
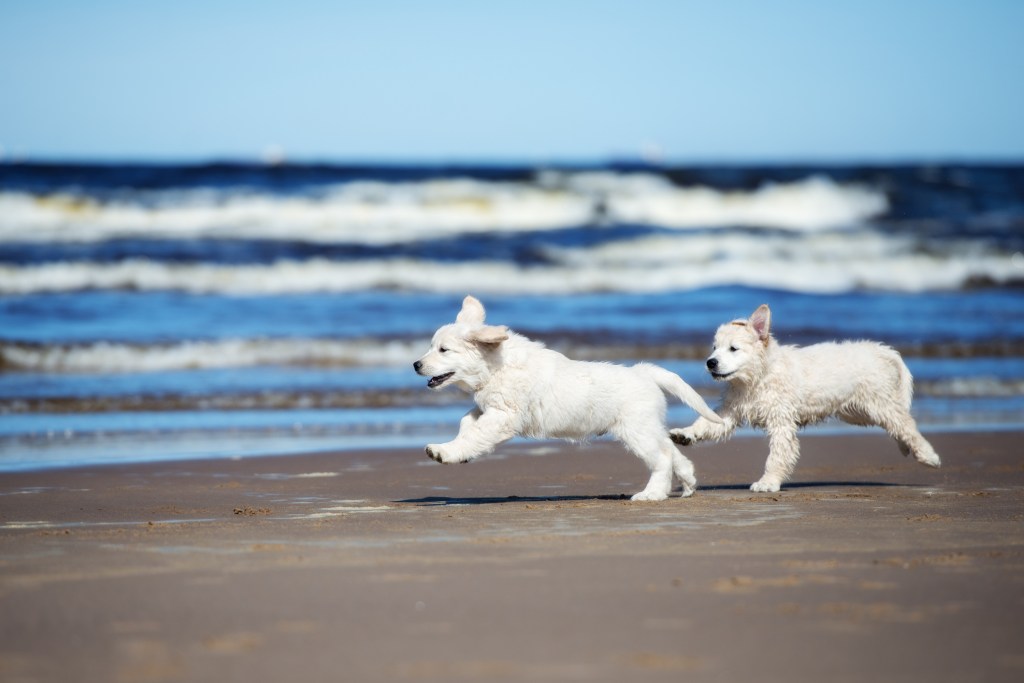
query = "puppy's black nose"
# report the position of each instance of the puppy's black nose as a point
(417, 365)
(712, 363)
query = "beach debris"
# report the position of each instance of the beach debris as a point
(251, 511)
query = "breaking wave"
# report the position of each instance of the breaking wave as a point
(107, 357)
(354, 398)
(113, 357)
(375, 212)
(971, 387)
(378, 398)
(654, 265)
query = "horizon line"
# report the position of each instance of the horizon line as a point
(513, 162)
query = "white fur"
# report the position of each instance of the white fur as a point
(522, 388)
(782, 388)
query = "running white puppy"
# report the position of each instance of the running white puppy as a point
(523, 389)
(782, 388)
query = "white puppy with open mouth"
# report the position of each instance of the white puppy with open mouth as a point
(783, 388)
(522, 388)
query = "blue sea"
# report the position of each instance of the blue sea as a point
(156, 311)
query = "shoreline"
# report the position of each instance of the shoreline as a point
(224, 444)
(530, 564)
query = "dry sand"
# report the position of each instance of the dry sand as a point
(527, 565)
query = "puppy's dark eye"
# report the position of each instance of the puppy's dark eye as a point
(733, 349)
(442, 350)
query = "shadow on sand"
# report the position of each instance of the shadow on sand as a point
(804, 485)
(444, 500)
(498, 500)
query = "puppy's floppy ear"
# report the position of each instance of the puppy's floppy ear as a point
(489, 334)
(761, 321)
(472, 312)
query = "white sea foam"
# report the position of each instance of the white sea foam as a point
(811, 204)
(381, 213)
(972, 387)
(826, 264)
(820, 262)
(112, 357)
(115, 358)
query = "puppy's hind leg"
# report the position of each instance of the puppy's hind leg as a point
(656, 452)
(902, 427)
(682, 468)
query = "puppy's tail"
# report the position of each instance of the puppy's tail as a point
(672, 383)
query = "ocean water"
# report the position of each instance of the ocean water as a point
(167, 311)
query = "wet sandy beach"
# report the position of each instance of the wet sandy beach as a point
(530, 564)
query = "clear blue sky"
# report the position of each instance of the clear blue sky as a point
(489, 80)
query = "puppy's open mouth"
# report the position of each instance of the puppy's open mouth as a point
(439, 380)
(720, 375)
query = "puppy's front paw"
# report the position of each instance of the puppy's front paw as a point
(435, 453)
(766, 485)
(683, 437)
(442, 455)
